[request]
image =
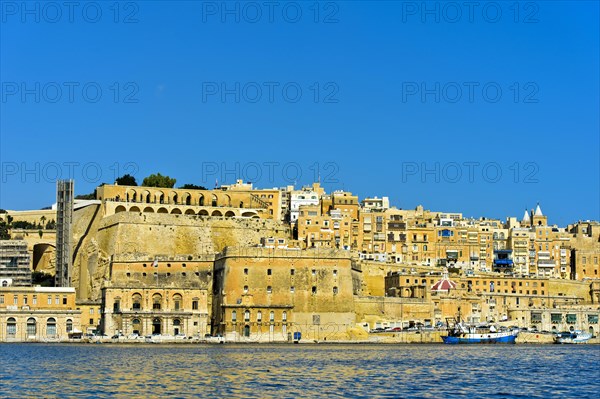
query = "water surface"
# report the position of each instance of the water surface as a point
(292, 371)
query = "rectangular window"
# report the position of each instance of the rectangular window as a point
(25, 299)
(64, 299)
(314, 272)
(194, 305)
(15, 299)
(91, 310)
(314, 290)
(556, 317)
(2, 299)
(593, 319)
(91, 322)
(268, 272)
(49, 299)
(292, 289)
(57, 300)
(334, 273)
(34, 299)
(269, 289)
(291, 272)
(571, 318)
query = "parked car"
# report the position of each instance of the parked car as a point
(215, 339)
(377, 330)
(180, 336)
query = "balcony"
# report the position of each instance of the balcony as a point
(546, 263)
(396, 226)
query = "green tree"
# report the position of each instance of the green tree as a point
(192, 187)
(43, 279)
(127, 180)
(91, 196)
(4, 231)
(159, 180)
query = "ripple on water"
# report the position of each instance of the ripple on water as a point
(258, 371)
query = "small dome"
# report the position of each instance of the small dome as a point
(444, 284)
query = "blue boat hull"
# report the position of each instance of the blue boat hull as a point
(509, 339)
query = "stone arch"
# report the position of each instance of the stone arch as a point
(248, 214)
(131, 196)
(186, 198)
(148, 209)
(229, 214)
(120, 208)
(255, 217)
(161, 198)
(216, 213)
(134, 209)
(189, 212)
(157, 301)
(176, 211)
(136, 301)
(31, 327)
(201, 200)
(156, 325)
(203, 212)
(214, 200)
(162, 210)
(173, 197)
(51, 327)
(145, 197)
(225, 200)
(42, 255)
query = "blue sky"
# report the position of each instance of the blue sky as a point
(483, 111)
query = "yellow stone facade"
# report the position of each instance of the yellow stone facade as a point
(38, 314)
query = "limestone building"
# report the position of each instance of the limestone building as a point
(168, 296)
(268, 294)
(38, 314)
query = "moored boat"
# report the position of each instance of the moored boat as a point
(461, 333)
(572, 337)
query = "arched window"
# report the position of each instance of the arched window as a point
(137, 301)
(51, 327)
(176, 322)
(259, 316)
(246, 315)
(135, 323)
(69, 325)
(156, 301)
(177, 301)
(11, 327)
(272, 316)
(335, 290)
(31, 326)
(5, 283)
(284, 316)
(234, 316)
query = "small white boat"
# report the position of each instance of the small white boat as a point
(572, 337)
